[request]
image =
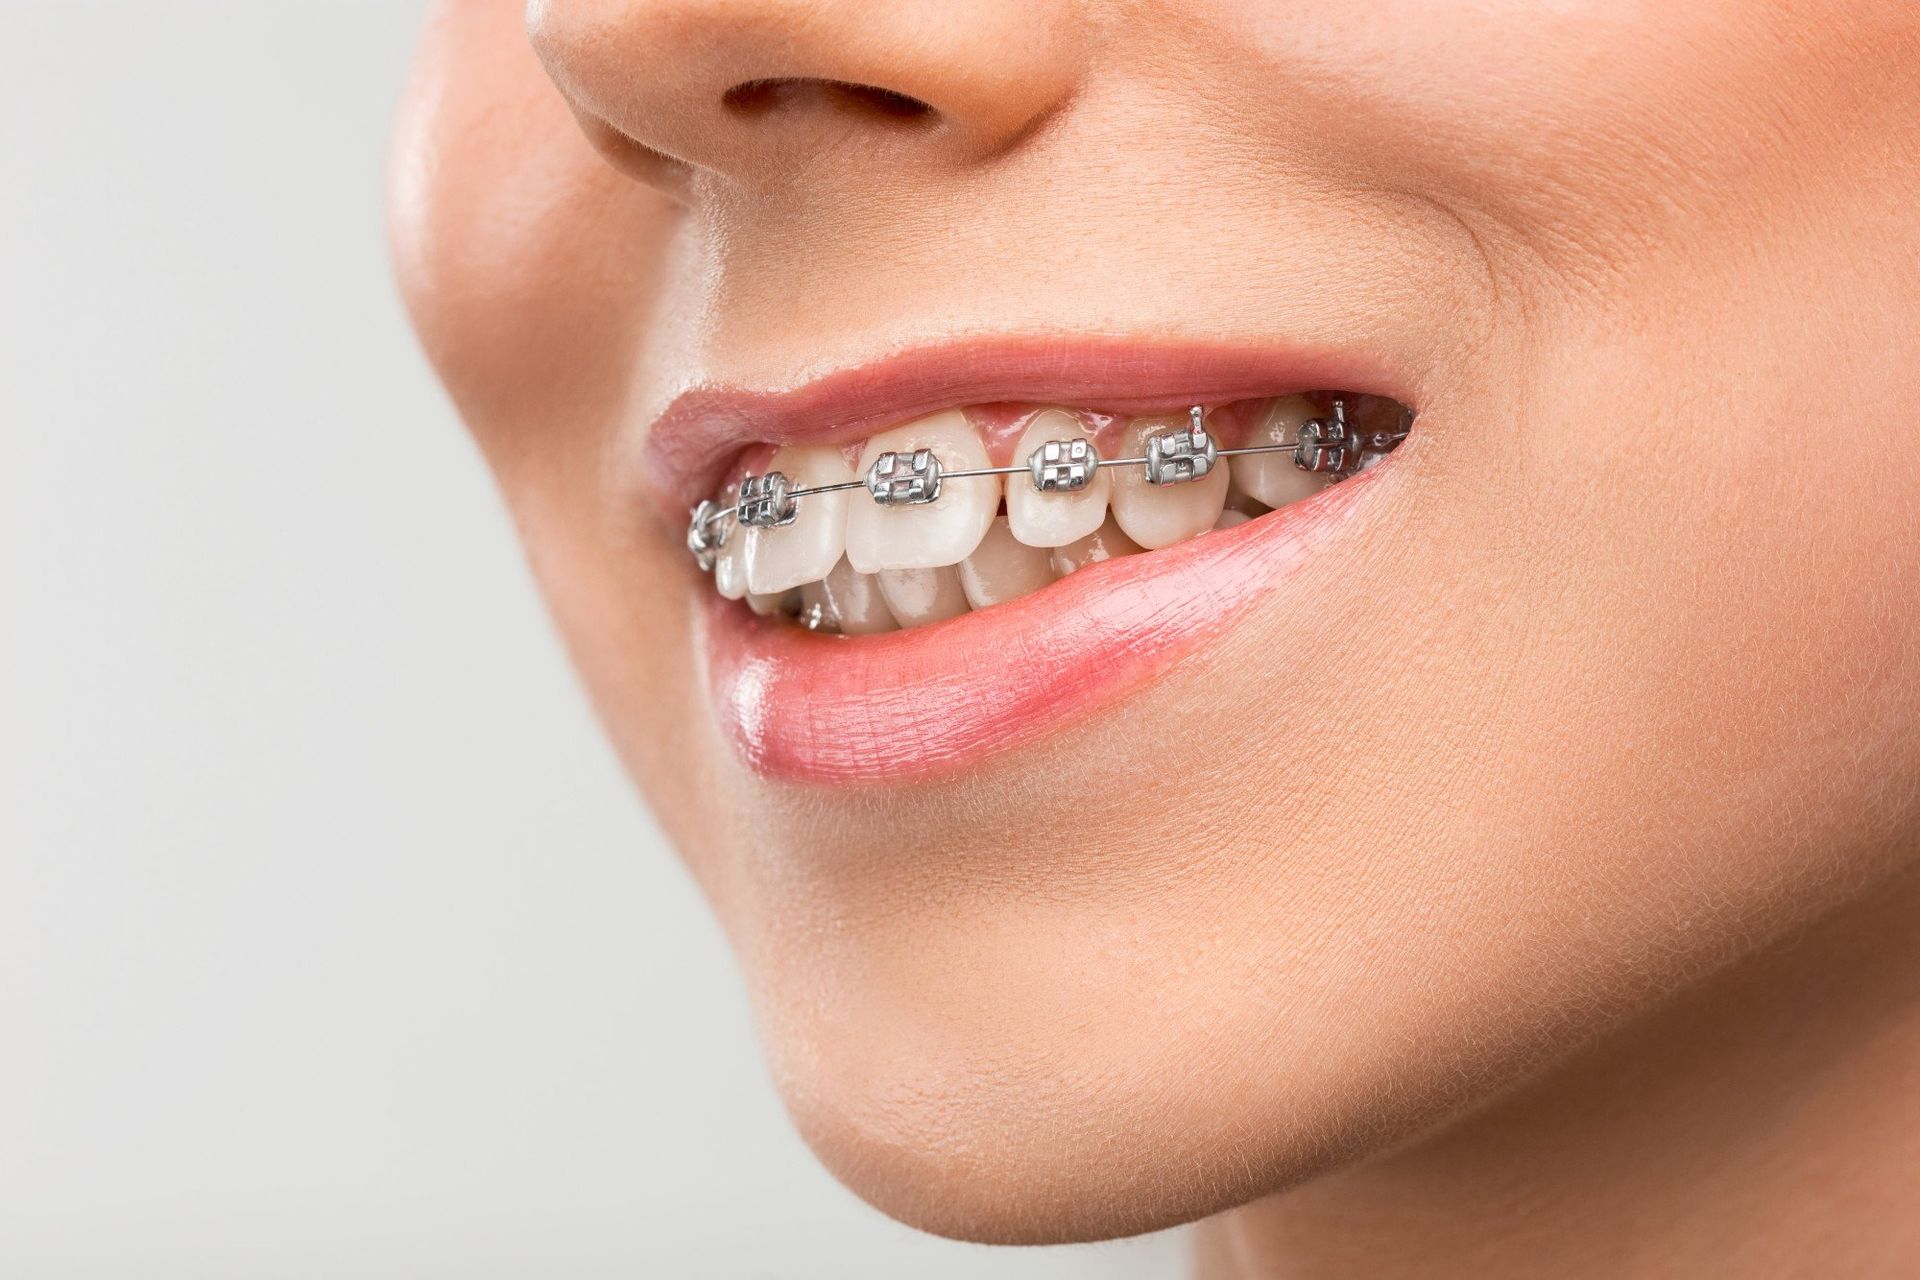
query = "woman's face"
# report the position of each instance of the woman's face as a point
(1121, 899)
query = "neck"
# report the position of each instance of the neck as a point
(1764, 1123)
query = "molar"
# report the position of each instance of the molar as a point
(925, 535)
(786, 556)
(1159, 515)
(1055, 519)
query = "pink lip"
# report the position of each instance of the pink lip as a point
(706, 427)
(801, 707)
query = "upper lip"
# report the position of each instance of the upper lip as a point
(706, 427)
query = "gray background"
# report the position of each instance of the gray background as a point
(331, 940)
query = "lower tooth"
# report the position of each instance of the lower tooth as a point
(850, 602)
(775, 602)
(1003, 568)
(1272, 478)
(1229, 518)
(1159, 515)
(919, 596)
(1245, 503)
(1103, 543)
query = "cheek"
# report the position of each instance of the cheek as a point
(1694, 473)
(529, 267)
(1773, 600)
(1705, 575)
(1581, 130)
(532, 273)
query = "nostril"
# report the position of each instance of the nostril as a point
(762, 97)
(884, 102)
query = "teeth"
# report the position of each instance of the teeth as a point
(1155, 515)
(850, 602)
(1103, 543)
(1272, 478)
(1055, 519)
(1003, 567)
(1244, 503)
(784, 557)
(766, 605)
(874, 557)
(730, 564)
(916, 597)
(930, 535)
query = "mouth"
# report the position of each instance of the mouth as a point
(898, 588)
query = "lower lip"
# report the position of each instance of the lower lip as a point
(804, 707)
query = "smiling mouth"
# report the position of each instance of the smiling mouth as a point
(966, 509)
(898, 588)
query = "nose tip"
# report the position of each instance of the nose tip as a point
(756, 88)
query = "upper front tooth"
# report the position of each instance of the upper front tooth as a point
(1159, 515)
(1271, 477)
(806, 550)
(1054, 519)
(926, 535)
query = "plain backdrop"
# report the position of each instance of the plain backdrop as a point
(332, 942)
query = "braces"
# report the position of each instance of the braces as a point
(1175, 455)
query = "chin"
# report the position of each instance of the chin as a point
(972, 1110)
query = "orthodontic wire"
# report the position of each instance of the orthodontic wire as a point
(1378, 442)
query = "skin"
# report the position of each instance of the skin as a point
(1573, 920)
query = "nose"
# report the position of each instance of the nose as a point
(761, 90)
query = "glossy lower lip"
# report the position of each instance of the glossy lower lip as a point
(801, 707)
(706, 427)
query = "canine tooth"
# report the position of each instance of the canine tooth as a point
(929, 535)
(788, 555)
(1103, 543)
(1054, 519)
(1271, 477)
(916, 597)
(1003, 568)
(1159, 515)
(730, 562)
(851, 600)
